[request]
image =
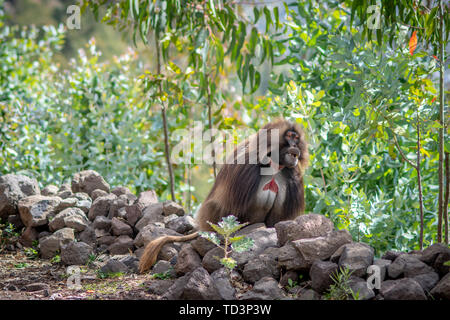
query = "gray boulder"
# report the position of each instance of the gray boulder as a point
(442, 289)
(35, 210)
(74, 216)
(182, 224)
(408, 266)
(356, 257)
(50, 190)
(87, 181)
(171, 207)
(151, 214)
(121, 245)
(75, 253)
(200, 286)
(303, 227)
(188, 260)
(320, 274)
(151, 232)
(402, 289)
(223, 284)
(12, 189)
(119, 227)
(265, 289)
(101, 206)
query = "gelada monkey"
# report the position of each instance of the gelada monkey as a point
(262, 181)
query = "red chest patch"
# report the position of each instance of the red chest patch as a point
(272, 186)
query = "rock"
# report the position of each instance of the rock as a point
(223, 284)
(82, 196)
(28, 237)
(408, 266)
(321, 248)
(337, 254)
(119, 227)
(439, 265)
(158, 287)
(50, 245)
(37, 286)
(99, 233)
(169, 218)
(211, 260)
(106, 240)
(146, 198)
(151, 232)
(84, 205)
(357, 257)
(202, 245)
(131, 262)
(88, 236)
(430, 254)
(289, 275)
(169, 251)
(182, 224)
(391, 255)
(76, 222)
(121, 245)
(402, 289)
(88, 181)
(101, 222)
(65, 194)
(133, 213)
(265, 265)
(75, 253)
(188, 260)
(34, 210)
(265, 289)
(15, 220)
(320, 274)
(164, 267)
(171, 207)
(442, 289)
(263, 238)
(303, 227)
(360, 289)
(66, 203)
(309, 294)
(176, 290)
(79, 219)
(101, 206)
(120, 190)
(291, 259)
(98, 193)
(200, 286)
(117, 208)
(427, 280)
(383, 264)
(114, 266)
(152, 213)
(50, 190)
(12, 189)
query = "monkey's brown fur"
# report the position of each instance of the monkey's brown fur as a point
(235, 191)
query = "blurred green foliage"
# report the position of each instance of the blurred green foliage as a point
(353, 98)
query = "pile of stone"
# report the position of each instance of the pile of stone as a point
(294, 259)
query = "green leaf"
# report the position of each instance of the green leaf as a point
(243, 244)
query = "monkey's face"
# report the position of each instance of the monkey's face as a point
(290, 149)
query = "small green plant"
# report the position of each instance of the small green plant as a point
(226, 228)
(56, 259)
(105, 275)
(341, 290)
(31, 253)
(163, 275)
(8, 235)
(91, 259)
(21, 265)
(291, 284)
(447, 263)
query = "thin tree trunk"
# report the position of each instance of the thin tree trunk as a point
(441, 122)
(447, 191)
(164, 116)
(213, 152)
(419, 182)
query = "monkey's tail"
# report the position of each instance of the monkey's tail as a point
(152, 249)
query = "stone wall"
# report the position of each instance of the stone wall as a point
(293, 260)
